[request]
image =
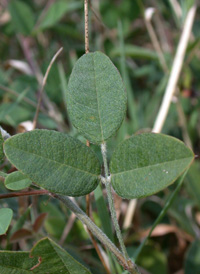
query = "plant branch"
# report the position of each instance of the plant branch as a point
(98, 252)
(111, 202)
(175, 71)
(147, 19)
(86, 26)
(67, 228)
(43, 85)
(23, 193)
(129, 213)
(97, 232)
(52, 109)
(183, 124)
(13, 92)
(97, 16)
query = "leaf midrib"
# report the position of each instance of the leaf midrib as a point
(55, 251)
(113, 174)
(60, 257)
(93, 59)
(54, 161)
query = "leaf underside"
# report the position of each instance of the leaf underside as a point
(96, 98)
(54, 161)
(147, 163)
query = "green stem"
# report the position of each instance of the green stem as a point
(111, 202)
(97, 232)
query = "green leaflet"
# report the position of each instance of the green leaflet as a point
(54, 161)
(45, 257)
(96, 98)
(17, 181)
(5, 219)
(147, 163)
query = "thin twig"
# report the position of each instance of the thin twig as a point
(86, 26)
(50, 112)
(67, 228)
(176, 70)
(98, 252)
(13, 92)
(88, 210)
(163, 38)
(98, 17)
(43, 85)
(129, 213)
(183, 124)
(88, 205)
(52, 109)
(147, 18)
(23, 193)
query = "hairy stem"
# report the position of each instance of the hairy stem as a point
(97, 232)
(86, 26)
(154, 40)
(111, 202)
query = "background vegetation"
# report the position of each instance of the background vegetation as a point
(31, 32)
